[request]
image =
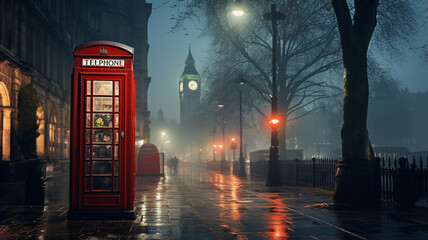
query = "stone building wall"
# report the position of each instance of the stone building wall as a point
(36, 43)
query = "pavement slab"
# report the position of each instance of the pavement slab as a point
(195, 203)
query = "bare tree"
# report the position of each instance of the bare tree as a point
(307, 48)
(358, 179)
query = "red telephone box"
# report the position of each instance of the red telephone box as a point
(102, 132)
(148, 160)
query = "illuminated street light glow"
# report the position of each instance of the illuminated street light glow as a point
(238, 12)
(238, 8)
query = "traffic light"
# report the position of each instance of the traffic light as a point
(233, 143)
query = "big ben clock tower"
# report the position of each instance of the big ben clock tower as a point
(189, 87)
(190, 93)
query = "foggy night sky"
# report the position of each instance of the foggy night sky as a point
(168, 52)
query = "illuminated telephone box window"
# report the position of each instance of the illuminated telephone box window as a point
(102, 132)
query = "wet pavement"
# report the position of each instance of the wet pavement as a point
(199, 204)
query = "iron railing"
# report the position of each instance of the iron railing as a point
(321, 173)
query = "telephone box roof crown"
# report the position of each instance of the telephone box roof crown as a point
(190, 65)
(104, 43)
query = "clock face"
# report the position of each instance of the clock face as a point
(181, 86)
(193, 85)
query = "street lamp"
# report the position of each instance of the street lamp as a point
(164, 139)
(241, 154)
(273, 174)
(223, 157)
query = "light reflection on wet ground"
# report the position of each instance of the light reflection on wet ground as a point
(199, 204)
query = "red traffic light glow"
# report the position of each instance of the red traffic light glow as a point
(274, 121)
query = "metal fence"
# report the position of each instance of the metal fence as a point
(321, 173)
(403, 176)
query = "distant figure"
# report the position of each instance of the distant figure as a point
(174, 163)
(169, 164)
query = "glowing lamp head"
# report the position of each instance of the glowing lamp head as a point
(220, 146)
(238, 8)
(238, 12)
(215, 146)
(233, 143)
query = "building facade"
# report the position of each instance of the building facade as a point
(36, 43)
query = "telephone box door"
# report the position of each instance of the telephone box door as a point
(104, 130)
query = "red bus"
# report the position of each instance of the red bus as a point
(148, 160)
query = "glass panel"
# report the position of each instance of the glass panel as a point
(116, 168)
(103, 119)
(88, 87)
(88, 151)
(88, 184)
(116, 152)
(103, 104)
(101, 167)
(88, 135)
(88, 104)
(88, 119)
(116, 120)
(116, 104)
(102, 151)
(102, 136)
(101, 183)
(116, 88)
(103, 88)
(88, 167)
(116, 183)
(116, 135)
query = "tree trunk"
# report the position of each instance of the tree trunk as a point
(355, 142)
(358, 173)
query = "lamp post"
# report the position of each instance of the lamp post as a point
(214, 146)
(273, 174)
(164, 139)
(241, 154)
(223, 157)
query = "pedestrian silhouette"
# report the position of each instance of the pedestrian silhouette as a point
(174, 163)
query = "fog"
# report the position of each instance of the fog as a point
(397, 107)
